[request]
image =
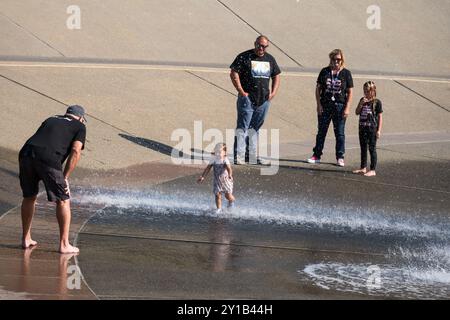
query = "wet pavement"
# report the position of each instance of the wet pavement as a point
(306, 233)
(147, 230)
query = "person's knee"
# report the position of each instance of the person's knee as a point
(30, 199)
(63, 203)
(229, 196)
(339, 134)
(241, 131)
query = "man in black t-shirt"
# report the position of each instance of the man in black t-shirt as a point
(41, 158)
(333, 97)
(250, 74)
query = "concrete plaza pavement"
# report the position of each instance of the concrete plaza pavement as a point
(147, 68)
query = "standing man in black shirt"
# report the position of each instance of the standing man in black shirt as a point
(41, 158)
(251, 72)
(333, 97)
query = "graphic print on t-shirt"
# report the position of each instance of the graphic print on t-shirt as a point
(366, 109)
(366, 115)
(261, 69)
(333, 86)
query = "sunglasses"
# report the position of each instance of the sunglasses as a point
(337, 59)
(260, 46)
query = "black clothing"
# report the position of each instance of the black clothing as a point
(42, 156)
(52, 142)
(368, 137)
(334, 87)
(368, 116)
(255, 73)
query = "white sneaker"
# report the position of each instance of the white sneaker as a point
(218, 210)
(313, 159)
(340, 162)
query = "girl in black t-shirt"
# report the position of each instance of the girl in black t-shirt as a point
(370, 112)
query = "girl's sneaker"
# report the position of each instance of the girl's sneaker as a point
(371, 173)
(362, 171)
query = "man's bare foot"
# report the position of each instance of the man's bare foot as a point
(371, 173)
(68, 249)
(362, 171)
(27, 243)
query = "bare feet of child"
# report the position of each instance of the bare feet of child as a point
(68, 249)
(371, 173)
(362, 171)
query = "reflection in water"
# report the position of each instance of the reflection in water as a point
(220, 249)
(27, 281)
(415, 260)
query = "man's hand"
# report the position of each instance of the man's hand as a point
(378, 134)
(67, 190)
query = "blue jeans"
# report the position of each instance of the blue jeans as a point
(249, 120)
(331, 113)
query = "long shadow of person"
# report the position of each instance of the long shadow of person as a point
(159, 147)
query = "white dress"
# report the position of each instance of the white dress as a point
(222, 181)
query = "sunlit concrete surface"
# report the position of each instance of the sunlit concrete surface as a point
(146, 68)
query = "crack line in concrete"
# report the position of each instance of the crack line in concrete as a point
(211, 83)
(64, 104)
(259, 33)
(115, 235)
(32, 34)
(420, 95)
(234, 95)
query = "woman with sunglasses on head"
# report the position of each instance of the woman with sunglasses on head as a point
(333, 96)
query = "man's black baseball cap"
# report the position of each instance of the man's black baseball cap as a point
(76, 110)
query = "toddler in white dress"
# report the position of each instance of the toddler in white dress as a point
(223, 176)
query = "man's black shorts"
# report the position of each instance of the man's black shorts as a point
(33, 170)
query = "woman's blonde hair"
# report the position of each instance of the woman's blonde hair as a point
(370, 85)
(336, 52)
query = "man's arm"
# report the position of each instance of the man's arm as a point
(275, 85)
(72, 160)
(237, 83)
